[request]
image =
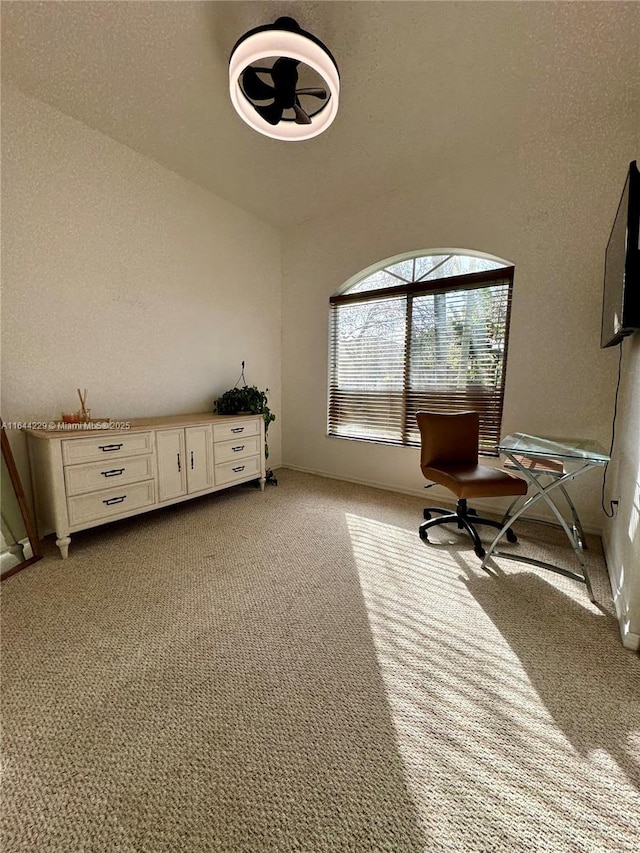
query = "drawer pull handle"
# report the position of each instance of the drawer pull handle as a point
(239, 468)
(239, 447)
(192, 460)
(179, 465)
(108, 447)
(115, 472)
(112, 501)
(237, 429)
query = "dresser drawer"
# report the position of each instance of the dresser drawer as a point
(236, 429)
(110, 502)
(94, 476)
(105, 447)
(225, 451)
(228, 472)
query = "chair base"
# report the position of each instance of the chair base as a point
(466, 519)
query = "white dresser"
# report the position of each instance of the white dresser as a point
(86, 477)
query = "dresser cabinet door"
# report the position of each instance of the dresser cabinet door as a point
(172, 468)
(199, 443)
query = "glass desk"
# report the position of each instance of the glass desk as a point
(574, 456)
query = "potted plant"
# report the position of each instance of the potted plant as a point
(247, 400)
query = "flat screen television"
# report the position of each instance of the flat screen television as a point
(621, 296)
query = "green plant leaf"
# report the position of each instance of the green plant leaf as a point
(245, 400)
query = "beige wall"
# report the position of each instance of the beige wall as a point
(622, 532)
(121, 277)
(548, 211)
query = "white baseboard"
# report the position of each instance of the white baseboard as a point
(373, 483)
(630, 640)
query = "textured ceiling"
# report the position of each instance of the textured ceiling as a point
(424, 85)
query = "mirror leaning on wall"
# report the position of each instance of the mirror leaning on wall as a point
(19, 546)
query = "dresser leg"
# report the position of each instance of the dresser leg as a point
(63, 544)
(263, 480)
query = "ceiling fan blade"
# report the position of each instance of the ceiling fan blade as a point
(254, 87)
(285, 77)
(301, 116)
(271, 113)
(315, 93)
(285, 72)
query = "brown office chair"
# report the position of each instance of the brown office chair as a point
(449, 457)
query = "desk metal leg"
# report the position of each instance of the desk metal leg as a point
(577, 526)
(576, 521)
(575, 538)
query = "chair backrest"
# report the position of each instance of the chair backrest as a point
(449, 439)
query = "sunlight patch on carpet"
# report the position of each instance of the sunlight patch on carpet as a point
(451, 641)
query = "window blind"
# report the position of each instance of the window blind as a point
(437, 346)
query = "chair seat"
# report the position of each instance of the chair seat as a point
(476, 481)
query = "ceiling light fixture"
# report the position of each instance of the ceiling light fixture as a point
(274, 85)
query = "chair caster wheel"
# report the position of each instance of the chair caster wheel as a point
(426, 515)
(511, 536)
(472, 512)
(480, 552)
(423, 534)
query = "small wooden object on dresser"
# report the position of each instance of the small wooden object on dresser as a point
(84, 478)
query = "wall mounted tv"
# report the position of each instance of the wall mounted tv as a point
(621, 297)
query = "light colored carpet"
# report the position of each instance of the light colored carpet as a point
(297, 671)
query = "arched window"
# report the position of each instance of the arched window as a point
(425, 331)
